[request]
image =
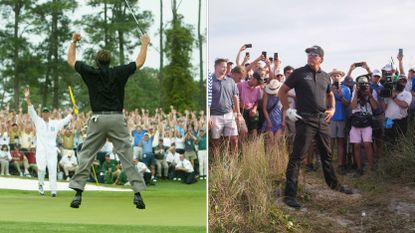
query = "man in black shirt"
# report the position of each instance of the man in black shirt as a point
(313, 92)
(106, 93)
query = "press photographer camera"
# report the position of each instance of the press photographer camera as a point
(388, 85)
(362, 85)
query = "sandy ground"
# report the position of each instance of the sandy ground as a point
(32, 184)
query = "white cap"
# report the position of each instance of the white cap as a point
(261, 64)
(376, 72)
(387, 67)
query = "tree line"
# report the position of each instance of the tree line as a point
(34, 37)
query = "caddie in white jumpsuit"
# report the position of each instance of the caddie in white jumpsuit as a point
(46, 151)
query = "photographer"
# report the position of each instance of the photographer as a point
(397, 110)
(363, 103)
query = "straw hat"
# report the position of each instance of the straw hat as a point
(273, 87)
(336, 71)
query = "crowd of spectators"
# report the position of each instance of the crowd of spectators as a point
(372, 110)
(165, 145)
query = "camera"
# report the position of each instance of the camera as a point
(358, 64)
(337, 85)
(387, 83)
(248, 45)
(264, 53)
(362, 84)
(276, 56)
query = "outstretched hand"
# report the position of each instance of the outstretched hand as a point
(145, 39)
(26, 92)
(76, 36)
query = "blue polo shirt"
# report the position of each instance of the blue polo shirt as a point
(148, 146)
(340, 113)
(138, 136)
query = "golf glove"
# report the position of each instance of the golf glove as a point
(292, 114)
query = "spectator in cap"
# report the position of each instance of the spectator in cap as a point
(397, 110)
(378, 114)
(161, 163)
(315, 106)
(363, 104)
(343, 97)
(148, 155)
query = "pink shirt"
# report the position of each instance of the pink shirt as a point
(248, 95)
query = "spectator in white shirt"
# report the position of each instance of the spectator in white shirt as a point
(68, 163)
(5, 158)
(172, 158)
(185, 171)
(397, 110)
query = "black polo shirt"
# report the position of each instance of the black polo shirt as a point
(106, 85)
(311, 89)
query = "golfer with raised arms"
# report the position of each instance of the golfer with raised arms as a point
(106, 94)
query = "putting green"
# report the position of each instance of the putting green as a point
(170, 206)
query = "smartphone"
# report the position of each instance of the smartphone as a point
(271, 59)
(247, 54)
(248, 45)
(264, 53)
(358, 64)
(275, 56)
(400, 52)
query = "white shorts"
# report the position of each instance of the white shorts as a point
(337, 129)
(223, 125)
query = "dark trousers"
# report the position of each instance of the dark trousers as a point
(398, 129)
(187, 177)
(307, 129)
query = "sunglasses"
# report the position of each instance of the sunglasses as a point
(311, 54)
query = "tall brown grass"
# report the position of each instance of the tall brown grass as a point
(242, 189)
(399, 162)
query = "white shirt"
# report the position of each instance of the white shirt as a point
(186, 164)
(393, 111)
(46, 132)
(179, 143)
(167, 142)
(66, 160)
(142, 168)
(5, 155)
(173, 158)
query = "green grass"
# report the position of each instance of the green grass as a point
(170, 207)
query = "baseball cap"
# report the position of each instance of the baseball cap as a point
(376, 72)
(315, 49)
(387, 67)
(45, 109)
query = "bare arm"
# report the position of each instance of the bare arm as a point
(72, 49)
(238, 63)
(141, 57)
(283, 95)
(401, 70)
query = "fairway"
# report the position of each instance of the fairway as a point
(170, 207)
